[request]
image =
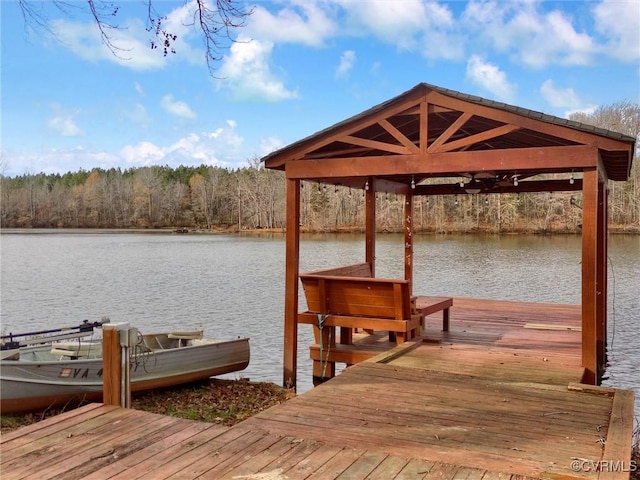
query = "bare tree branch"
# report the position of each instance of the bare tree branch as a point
(216, 20)
(217, 25)
(101, 12)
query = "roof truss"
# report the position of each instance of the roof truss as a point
(431, 132)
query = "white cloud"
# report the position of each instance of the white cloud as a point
(215, 134)
(247, 74)
(221, 147)
(559, 97)
(176, 107)
(347, 60)
(142, 154)
(302, 23)
(558, 42)
(64, 125)
(590, 110)
(247, 71)
(490, 78)
(532, 37)
(396, 23)
(619, 23)
(231, 136)
(270, 144)
(564, 98)
(60, 161)
(534, 33)
(442, 38)
(228, 136)
(426, 27)
(131, 41)
(84, 40)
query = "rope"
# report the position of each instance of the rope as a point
(323, 363)
(324, 366)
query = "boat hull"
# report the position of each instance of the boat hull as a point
(36, 385)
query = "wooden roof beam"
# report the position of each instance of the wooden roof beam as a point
(339, 131)
(446, 135)
(374, 144)
(398, 135)
(477, 138)
(567, 158)
(524, 121)
(424, 127)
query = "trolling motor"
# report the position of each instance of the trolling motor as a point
(10, 342)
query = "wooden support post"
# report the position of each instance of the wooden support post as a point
(445, 320)
(408, 238)
(116, 373)
(111, 366)
(370, 225)
(601, 282)
(589, 275)
(292, 262)
(346, 336)
(424, 126)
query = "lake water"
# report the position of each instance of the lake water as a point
(233, 285)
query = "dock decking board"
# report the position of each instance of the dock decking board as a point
(432, 431)
(146, 448)
(495, 398)
(528, 366)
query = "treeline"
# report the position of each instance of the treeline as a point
(213, 198)
(148, 197)
(209, 198)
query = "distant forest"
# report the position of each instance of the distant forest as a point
(213, 198)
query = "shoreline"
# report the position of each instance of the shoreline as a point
(614, 230)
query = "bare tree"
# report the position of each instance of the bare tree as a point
(623, 117)
(215, 20)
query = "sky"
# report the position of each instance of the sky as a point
(298, 67)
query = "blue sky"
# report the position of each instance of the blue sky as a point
(68, 103)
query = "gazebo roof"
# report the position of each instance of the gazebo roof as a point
(482, 139)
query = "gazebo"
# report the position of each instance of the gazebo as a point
(433, 132)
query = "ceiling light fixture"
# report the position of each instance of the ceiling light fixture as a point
(473, 186)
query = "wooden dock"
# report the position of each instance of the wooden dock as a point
(496, 397)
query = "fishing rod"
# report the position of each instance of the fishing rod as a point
(85, 328)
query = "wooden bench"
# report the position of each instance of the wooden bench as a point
(429, 305)
(354, 302)
(359, 302)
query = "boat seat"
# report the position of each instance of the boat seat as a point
(186, 334)
(77, 350)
